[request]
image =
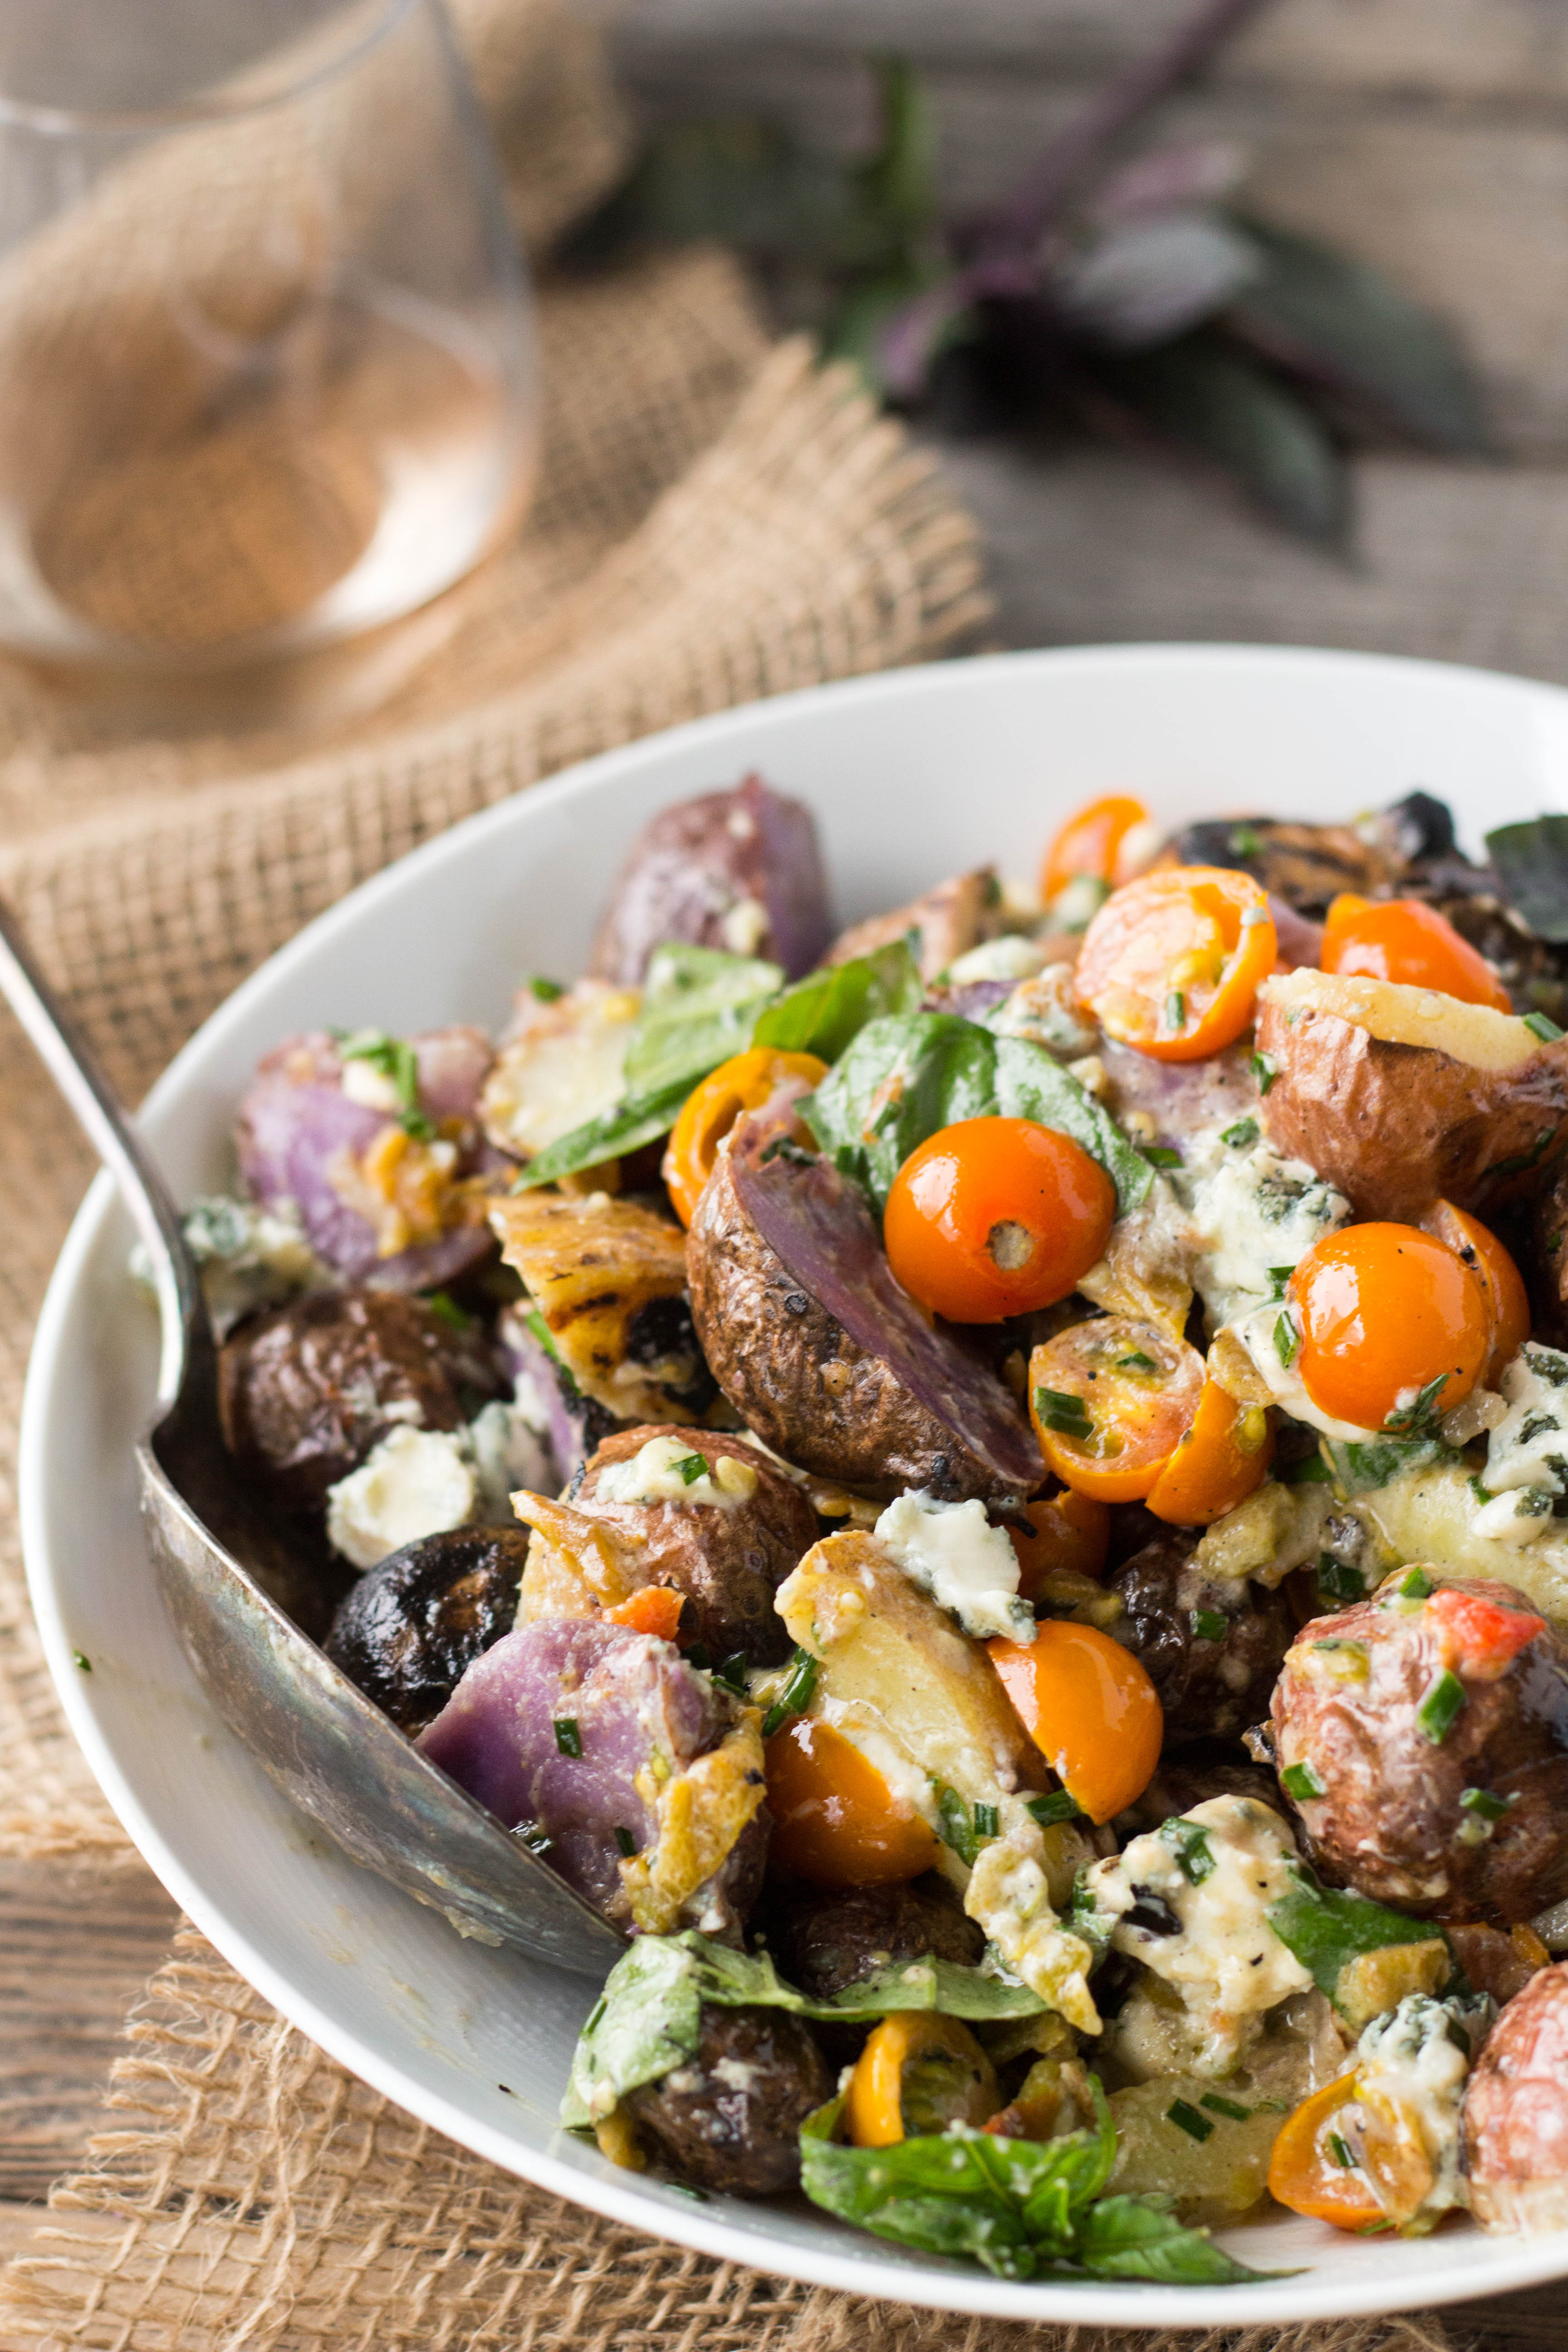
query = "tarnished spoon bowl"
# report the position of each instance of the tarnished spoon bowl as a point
(228, 1580)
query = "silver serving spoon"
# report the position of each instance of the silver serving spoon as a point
(330, 1751)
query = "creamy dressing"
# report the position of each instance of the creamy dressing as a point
(1009, 1897)
(1043, 1009)
(1009, 957)
(1411, 2069)
(968, 1567)
(654, 1475)
(1194, 1912)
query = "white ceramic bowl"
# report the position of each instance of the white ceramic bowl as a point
(912, 775)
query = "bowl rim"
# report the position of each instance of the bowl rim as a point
(1311, 2294)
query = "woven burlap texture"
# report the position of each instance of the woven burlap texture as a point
(251, 2193)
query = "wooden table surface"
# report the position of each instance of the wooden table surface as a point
(1436, 138)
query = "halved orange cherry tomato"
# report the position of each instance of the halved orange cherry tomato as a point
(1403, 939)
(1382, 1311)
(1090, 843)
(655, 1610)
(1507, 1302)
(918, 2072)
(1171, 963)
(1305, 2171)
(744, 1083)
(836, 1820)
(1217, 1461)
(993, 1217)
(1091, 1710)
(1071, 1533)
(1110, 1399)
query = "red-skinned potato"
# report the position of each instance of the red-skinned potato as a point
(1399, 1096)
(1514, 2122)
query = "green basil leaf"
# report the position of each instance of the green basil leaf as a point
(699, 1007)
(625, 1127)
(1360, 1467)
(649, 2016)
(903, 1078)
(1140, 2237)
(823, 1012)
(1532, 861)
(1208, 397)
(1343, 325)
(1326, 1930)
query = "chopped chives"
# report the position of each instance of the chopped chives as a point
(1265, 1069)
(691, 1467)
(1058, 1806)
(1136, 1363)
(1162, 1155)
(1188, 2119)
(1287, 1339)
(1416, 1586)
(1299, 1781)
(1338, 1581)
(795, 1696)
(1340, 2150)
(1440, 1710)
(731, 1672)
(1208, 1625)
(1547, 1030)
(1246, 1130)
(1063, 1410)
(624, 1840)
(1230, 2109)
(1175, 1010)
(987, 1821)
(568, 1738)
(1487, 1805)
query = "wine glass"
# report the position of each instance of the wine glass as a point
(267, 370)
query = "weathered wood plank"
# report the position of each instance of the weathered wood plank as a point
(75, 1950)
(1090, 544)
(1477, 49)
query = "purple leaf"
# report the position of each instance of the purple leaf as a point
(1145, 280)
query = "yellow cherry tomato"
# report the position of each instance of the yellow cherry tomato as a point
(917, 2073)
(1091, 1710)
(1171, 963)
(836, 1820)
(1110, 1399)
(744, 1083)
(1216, 1463)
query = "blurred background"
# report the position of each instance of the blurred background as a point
(1427, 142)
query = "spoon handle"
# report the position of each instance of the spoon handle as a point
(76, 1070)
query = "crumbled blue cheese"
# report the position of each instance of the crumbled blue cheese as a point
(1009, 957)
(248, 1257)
(1194, 1912)
(414, 1483)
(655, 1474)
(507, 1452)
(1529, 1448)
(952, 1551)
(1411, 2069)
(1042, 1008)
(1254, 1214)
(1519, 1515)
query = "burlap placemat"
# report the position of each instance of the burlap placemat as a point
(715, 522)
